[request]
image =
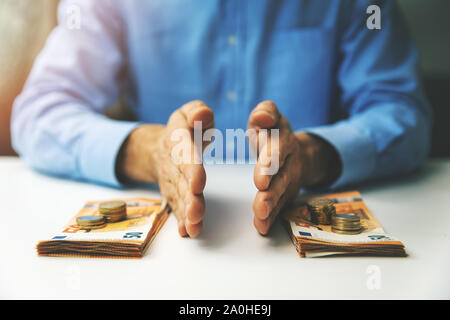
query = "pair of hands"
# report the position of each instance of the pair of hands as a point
(304, 161)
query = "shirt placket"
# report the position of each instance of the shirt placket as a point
(234, 47)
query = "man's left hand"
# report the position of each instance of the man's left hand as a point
(304, 161)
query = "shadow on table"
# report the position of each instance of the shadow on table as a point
(278, 235)
(220, 226)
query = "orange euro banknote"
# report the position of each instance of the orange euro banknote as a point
(317, 240)
(124, 239)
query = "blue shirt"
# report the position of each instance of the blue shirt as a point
(316, 59)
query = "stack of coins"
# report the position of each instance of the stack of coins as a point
(321, 210)
(91, 222)
(113, 211)
(348, 223)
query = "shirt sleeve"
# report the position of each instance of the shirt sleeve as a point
(387, 125)
(57, 122)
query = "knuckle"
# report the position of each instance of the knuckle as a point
(267, 196)
(267, 104)
(194, 104)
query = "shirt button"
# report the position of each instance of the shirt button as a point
(231, 96)
(232, 40)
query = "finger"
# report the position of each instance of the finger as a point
(190, 214)
(266, 201)
(194, 229)
(182, 229)
(264, 116)
(168, 191)
(195, 209)
(191, 207)
(190, 165)
(277, 148)
(197, 111)
(184, 181)
(274, 151)
(172, 186)
(180, 213)
(188, 162)
(193, 173)
(188, 114)
(263, 225)
(195, 176)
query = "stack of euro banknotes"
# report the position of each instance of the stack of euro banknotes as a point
(313, 239)
(122, 238)
(89, 234)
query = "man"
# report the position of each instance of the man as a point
(346, 99)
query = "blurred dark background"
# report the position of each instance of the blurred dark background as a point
(25, 24)
(429, 21)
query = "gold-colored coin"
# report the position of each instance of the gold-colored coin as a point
(115, 219)
(113, 211)
(321, 210)
(347, 216)
(347, 223)
(112, 206)
(90, 222)
(346, 229)
(321, 202)
(348, 232)
(101, 226)
(355, 223)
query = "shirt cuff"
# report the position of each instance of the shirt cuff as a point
(357, 152)
(100, 149)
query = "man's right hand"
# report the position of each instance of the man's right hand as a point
(147, 157)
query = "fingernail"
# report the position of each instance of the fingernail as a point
(269, 114)
(264, 112)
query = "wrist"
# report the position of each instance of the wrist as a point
(322, 162)
(137, 159)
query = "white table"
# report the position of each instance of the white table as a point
(230, 260)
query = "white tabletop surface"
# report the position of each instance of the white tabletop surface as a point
(230, 260)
